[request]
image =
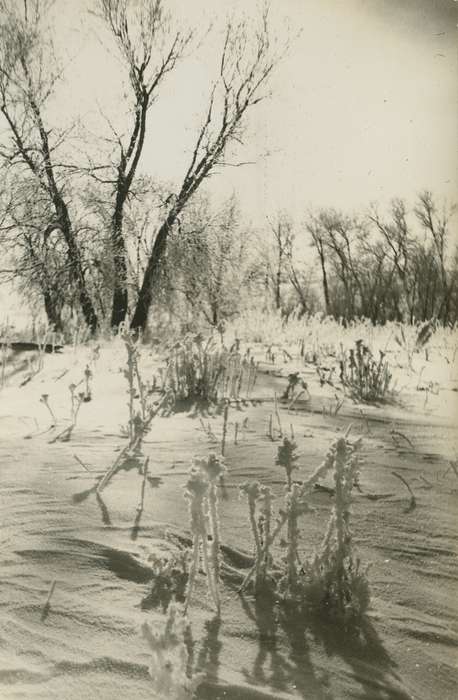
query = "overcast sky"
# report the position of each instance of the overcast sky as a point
(363, 108)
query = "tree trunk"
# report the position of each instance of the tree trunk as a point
(76, 267)
(49, 184)
(278, 288)
(53, 311)
(215, 317)
(145, 297)
(120, 295)
(325, 285)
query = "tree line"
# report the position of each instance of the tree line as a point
(397, 265)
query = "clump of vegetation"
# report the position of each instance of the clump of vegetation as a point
(170, 658)
(170, 578)
(363, 377)
(260, 502)
(195, 369)
(334, 580)
(414, 338)
(207, 371)
(296, 387)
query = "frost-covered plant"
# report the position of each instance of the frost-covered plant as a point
(363, 377)
(170, 659)
(44, 399)
(202, 495)
(129, 373)
(287, 458)
(141, 412)
(87, 378)
(260, 508)
(170, 578)
(295, 505)
(76, 399)
(251, 489)
(414, 338)
(289, 576)
(333, 579)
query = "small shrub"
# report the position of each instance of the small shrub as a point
(364, 378)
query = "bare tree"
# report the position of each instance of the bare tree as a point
(436, 224)
(335, 232)
(317, 233)
(245, 66)
(282, 231)
(34, 254)
(28, 75)
(151, 49)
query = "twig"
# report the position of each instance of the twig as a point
(113, 469)
(277, 415)
(81, 462)
(295, 398)
(225, 418)
(142, 491)
(365, 418)
(47, 605)
(270, 428)
(395, 433)
(429, 485)
(413, 500)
